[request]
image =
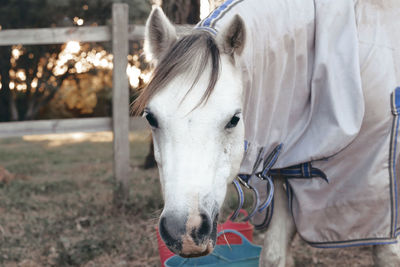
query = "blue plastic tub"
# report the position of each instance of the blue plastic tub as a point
(242, 255)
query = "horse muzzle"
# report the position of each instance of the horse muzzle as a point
(189, 236)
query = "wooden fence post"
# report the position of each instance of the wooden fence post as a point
(120, 103)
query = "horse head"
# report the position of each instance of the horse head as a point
(193, 104)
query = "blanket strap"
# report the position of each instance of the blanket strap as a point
(300, 171)
(268, 163)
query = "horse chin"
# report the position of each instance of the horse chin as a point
(208, 248)
(191, 250)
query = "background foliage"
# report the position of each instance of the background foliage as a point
(31, 85)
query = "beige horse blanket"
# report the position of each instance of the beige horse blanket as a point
(320, 78)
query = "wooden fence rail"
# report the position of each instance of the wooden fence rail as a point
(21, 128)
(65, 34)
(119, 34)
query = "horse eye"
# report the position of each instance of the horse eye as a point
(233, 122)
(151, 120)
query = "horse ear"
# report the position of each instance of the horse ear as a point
(232, 38)
(160, 34)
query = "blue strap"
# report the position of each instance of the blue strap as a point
(239, 190)
(207, 22)
(270, 189)
(268, 216)
(300, 171)
(240, 193)
(256, 203)
(271, 160)
(268, 162)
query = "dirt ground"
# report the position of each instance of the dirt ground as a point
(56, 209)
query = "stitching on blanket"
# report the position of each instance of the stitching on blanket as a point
(353, 243)
(379, 45)
(395, 102)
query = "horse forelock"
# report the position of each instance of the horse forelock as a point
(189, 55)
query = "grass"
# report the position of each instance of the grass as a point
(58, 211)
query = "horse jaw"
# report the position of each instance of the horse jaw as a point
(196, 155)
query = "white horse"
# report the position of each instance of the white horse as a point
(195, 103)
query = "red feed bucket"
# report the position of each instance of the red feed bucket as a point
(245, 228)
(165, 253)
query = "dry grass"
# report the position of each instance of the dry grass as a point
(57, 210)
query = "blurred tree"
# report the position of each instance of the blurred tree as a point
(18, 14)
(182, 11)
(29, 76)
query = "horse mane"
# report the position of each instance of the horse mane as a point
(192, 53)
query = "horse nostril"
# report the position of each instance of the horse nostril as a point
(171, 233)
(188, 235)
(205, 227)
(203, 231)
